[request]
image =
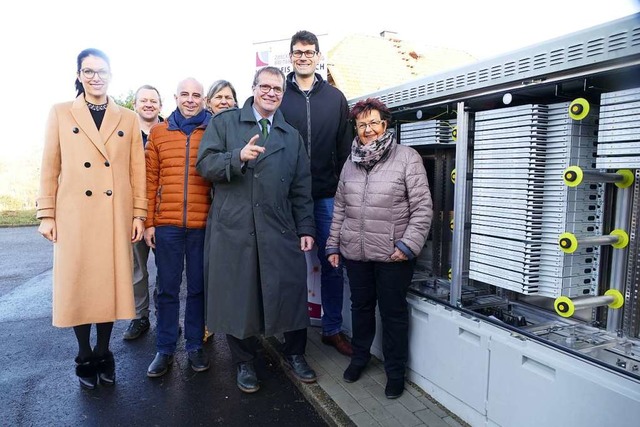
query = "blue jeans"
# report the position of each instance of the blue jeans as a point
(331, 281)
(173, 245)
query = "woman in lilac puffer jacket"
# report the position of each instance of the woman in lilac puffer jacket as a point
(381, 219)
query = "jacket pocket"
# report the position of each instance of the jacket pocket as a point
(392, 240)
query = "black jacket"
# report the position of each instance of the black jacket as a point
(327, 134)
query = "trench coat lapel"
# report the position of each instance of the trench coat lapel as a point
(82, 116)
(111, 120)
(272, 145)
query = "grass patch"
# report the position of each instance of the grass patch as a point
(18, 218)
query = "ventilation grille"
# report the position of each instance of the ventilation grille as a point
(598, 44)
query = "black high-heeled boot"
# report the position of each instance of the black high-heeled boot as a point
(86, 372)
(106, 368)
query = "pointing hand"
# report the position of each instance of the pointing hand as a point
(251, 151)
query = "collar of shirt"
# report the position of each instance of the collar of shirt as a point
(295, 81)
(259, 117)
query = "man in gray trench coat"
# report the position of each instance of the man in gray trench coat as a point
(259, 226)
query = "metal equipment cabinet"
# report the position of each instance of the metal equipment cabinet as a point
(525, 303)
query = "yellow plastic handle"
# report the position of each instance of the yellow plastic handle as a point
(579, 109)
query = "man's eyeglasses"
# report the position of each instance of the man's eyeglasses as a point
(306, 53)
(88, 73)
(373, 124)
(266, 89)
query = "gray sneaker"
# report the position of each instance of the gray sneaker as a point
(136, 328)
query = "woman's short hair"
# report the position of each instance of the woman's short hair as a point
(81, 56)
(367, 105)
(217, 86)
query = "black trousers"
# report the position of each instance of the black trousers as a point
(244, 350)
(385, 284)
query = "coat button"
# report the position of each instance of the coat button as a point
(120, 133)
(107, 164)
(88, 193)
(252, 233)
(257, 205)
(256, 175)
(108, 192)
(76, 130)
(87, 164)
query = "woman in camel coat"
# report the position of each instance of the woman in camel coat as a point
(92, 205)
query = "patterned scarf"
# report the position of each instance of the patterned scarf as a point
(368, 155)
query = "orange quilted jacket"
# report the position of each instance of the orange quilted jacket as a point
(177, 194)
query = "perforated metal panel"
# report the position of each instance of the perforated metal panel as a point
(428, 132)
(520, 204)
(619, 130)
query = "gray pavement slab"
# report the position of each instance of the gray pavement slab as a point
(363, 402)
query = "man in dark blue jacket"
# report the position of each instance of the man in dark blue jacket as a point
(319, 112)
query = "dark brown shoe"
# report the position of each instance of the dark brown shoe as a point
(339, 341)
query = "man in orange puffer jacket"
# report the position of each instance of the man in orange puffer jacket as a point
(179, 201)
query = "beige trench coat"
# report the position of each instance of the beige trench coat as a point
(93, 184)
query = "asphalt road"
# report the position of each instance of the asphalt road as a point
(38, 386)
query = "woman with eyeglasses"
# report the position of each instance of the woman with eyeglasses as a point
(381, 219)
(221, 96)
(92, 205)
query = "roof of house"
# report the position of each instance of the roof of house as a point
(361, 64)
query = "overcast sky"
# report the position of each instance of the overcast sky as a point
(161, 42)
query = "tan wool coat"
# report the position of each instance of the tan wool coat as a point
(93, 184)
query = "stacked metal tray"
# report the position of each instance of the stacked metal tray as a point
(428, 132)
(619, 130)
(520, 204)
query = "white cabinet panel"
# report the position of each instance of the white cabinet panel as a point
(533, 385)
(450, 351)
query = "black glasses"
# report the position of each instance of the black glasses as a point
(88, 73)
(266, 89)
(307, 53)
